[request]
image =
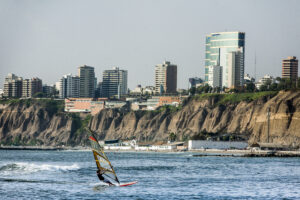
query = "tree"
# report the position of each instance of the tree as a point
(250, 87)
(263, 87)
(39, 95)
(172, 137)
(273, 87)
(193, 90)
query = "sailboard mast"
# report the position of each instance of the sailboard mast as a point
(102, 162)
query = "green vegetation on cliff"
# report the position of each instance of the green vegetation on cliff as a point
(236, 97)
(50, 105)
(79, 123)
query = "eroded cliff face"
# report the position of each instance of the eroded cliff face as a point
(34, 125)
(247, 120)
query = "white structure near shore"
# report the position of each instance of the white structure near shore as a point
(135, 147)
(205, 144)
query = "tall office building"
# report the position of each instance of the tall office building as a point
(12, 86)
(165, 78)
(215, 76)
(69, 86)
(87, 81)
(31, 87)
(114, 82)
(290, 68)
(235, 67)
(217, 46)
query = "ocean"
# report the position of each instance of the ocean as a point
(28, 174)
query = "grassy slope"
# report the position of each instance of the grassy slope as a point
(236, 97)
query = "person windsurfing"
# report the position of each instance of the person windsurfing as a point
(102, 178)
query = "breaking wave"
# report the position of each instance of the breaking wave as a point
(24, 167)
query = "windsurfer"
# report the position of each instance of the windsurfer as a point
(102, 178)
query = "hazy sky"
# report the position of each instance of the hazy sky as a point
(51, 38)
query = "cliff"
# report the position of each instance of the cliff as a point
(215, 116)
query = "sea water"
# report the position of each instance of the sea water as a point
(72, 175)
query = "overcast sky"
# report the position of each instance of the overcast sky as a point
(48, 39)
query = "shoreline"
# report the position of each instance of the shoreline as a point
(196, 153)
(42, 148)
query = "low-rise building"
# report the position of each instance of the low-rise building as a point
(156, 101)
(248, 79)
(270, 146)
(116, 104)
(264, 80)
(138, 106)
(139, 90)
(97, 106)
(92, 105)
(206, 144)
(88, 105)
(169, 100)
(148, 90)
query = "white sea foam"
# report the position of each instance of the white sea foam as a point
(25, 167)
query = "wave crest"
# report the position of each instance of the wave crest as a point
(23, 167)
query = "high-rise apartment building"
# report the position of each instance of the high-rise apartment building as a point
(235, 67)
(15, 86)
(99, 90)
(12, 86)
(218, 46)
(49, 90)
(114, 82)
(31, 87)
(290, 68)
(69, 86)
(26, 88)
(165, 78)
(215, 76)
(87, 81)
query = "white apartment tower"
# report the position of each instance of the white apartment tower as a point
(69, 86)
(235, 70)
(215, 76)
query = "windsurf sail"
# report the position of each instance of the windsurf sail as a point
(102, 162)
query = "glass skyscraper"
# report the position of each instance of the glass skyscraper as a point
(218, 45)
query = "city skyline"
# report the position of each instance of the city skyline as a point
(40, 44)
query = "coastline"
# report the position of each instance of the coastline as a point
(196, 153)
(42, 148)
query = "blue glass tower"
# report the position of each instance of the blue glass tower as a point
(217, 47)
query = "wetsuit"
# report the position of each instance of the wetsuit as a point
(101, 178)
